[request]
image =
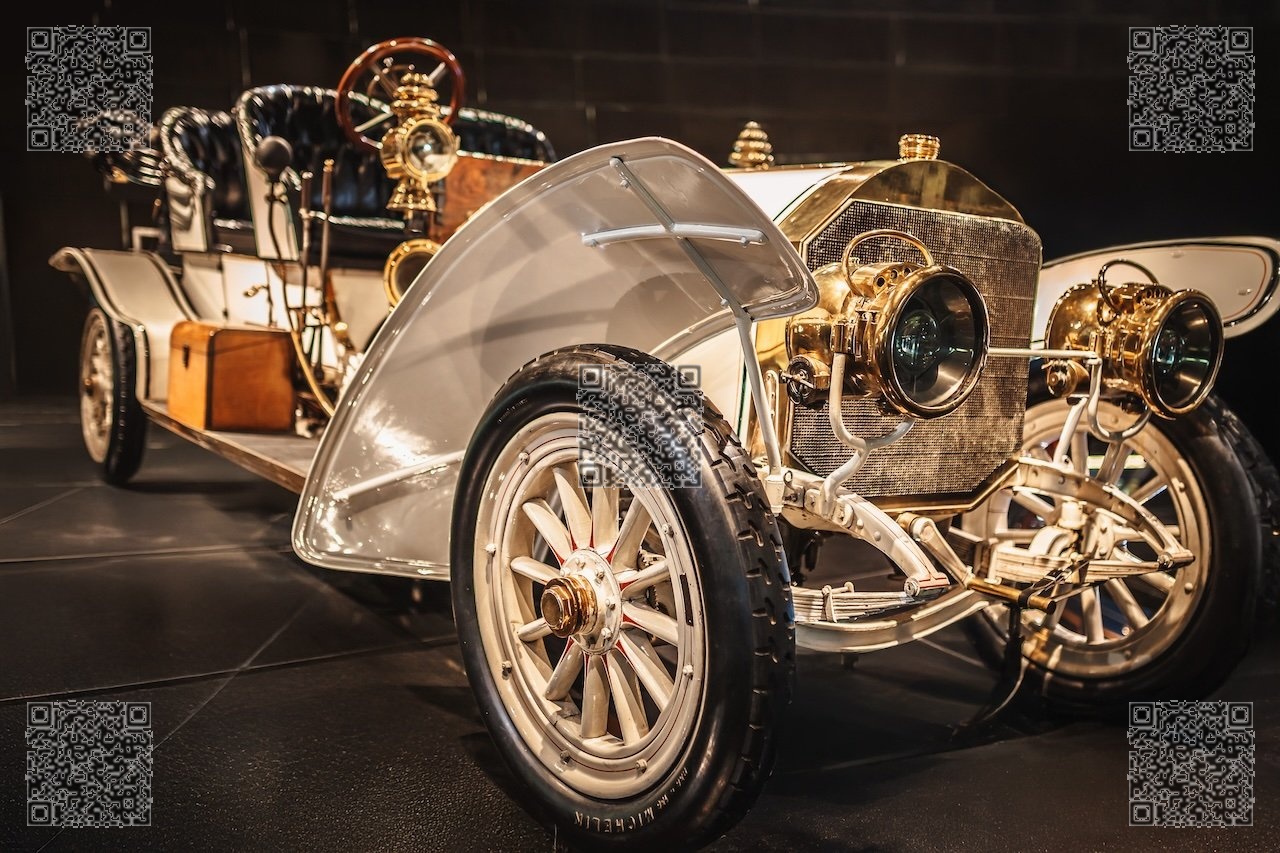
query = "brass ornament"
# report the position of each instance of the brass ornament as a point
(884, 317)
(752, 150)
(918, 146)
(421, 149)
(1161, 345)
(403, 265)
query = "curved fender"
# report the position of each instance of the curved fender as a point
(136, 289)
(641, 243)
(1240, 275)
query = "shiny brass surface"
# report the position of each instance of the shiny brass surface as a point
(857, 313)
(403, 265)
(568, 604)
(918, 146)
(1011, 594)
(934, 184)
(752, 150)
(928, 185)
(1123, 325)
(418, 123)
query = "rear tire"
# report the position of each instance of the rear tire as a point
(715, 655)
(112, 422)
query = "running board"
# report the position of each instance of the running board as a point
(284, 459)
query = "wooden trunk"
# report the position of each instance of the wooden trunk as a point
(232, 378)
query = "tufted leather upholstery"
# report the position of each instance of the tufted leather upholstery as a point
(306, 116)
(204, 147)
(206, 152)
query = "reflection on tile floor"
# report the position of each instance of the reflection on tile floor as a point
(295, 707)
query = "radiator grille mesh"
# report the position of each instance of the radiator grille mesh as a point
(956, 453)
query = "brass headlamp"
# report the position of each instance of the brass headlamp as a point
(421, 148)
(1164, 346)
(915, 335)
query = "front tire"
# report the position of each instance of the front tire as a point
(648, 715)
(112, 423)
(1171, 634)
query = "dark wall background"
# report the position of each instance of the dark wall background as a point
(1030, 96)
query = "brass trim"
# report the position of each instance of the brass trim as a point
(400, 254)
(1122, 324)
(752, 149)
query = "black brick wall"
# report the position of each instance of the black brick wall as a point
(1028, 95)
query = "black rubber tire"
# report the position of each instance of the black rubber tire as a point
(748, 616)
(128, 439)
(1264, 482)
(1218, 631)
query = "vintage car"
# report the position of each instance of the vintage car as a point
(626, 401)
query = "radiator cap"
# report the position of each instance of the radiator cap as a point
(918, 146)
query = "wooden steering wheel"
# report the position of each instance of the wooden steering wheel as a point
(378, 61)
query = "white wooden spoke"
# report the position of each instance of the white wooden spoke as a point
(1041, 507)
(565, 673)
(573, 500)
(534, 569)
(1129, 605)
(550, 526)
(648, 666)
(535, 630)
(631, 536)
(1128, 534)
(658, 624)
(626, 699)
(604, 518)
(435, 75)
(595, 698)
(640, 581)
(1148, 490)
(1091, 607)
(1157, 580)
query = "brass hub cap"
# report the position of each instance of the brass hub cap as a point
(585, 602)
(567, 605)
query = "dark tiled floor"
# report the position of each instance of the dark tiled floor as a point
(297, 708)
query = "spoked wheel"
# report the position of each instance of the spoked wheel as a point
(111, 421)
(1174, 633)
(630, 644)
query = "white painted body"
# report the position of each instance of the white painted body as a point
(1238, 273)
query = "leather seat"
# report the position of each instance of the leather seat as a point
(202, 150)
(306, 116)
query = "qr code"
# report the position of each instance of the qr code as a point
(88, 88)
(637, 425)
(89, 764)
(1191, 764)
(1191, 89)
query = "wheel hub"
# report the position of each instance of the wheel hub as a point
(568, 604)
(585, 602)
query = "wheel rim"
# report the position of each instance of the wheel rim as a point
(96, 388)
(1122, 623)
(608, 700)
